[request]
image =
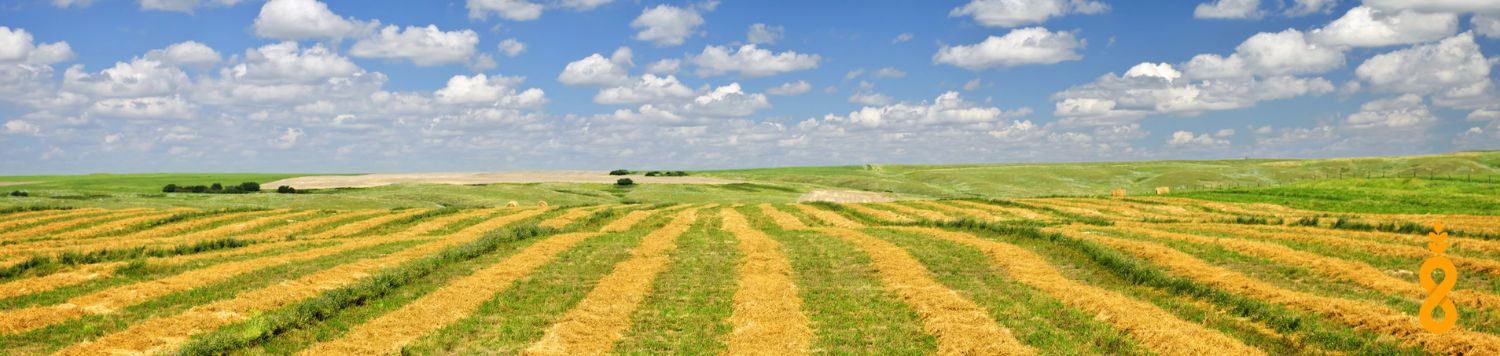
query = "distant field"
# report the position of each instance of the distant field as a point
(1145, 275)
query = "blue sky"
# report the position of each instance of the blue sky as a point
(357, 86)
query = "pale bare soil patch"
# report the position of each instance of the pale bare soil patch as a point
(458, 178)
(843, 196)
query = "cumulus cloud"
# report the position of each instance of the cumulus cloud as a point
(764, 34)
(889, 72)
(21, 127)
(1364, 26)
(751, 61)
(1486, 25)
(903, 37)
(1398, 113)
(791, 88)
(186, 54)
(1436, 5)
(1012, 13)
(496, 91)
(305, 19)
(647, 89)
(1268, 54)
(511, 47)
(156, 107)
(1228, 9)
(288, 62)
(138, 78)
(423, 46)
(516, 10)
(665, 66)
(186, 6)
(1155, 88)
(667, 25)
(947, 109)
(1454, 69)
(1188, 139)
(598, 71)
(18, 46)
(1308, 7)
(1033, 45)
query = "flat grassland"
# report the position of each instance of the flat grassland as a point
(91, 265)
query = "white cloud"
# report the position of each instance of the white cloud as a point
(68, 3)
(156, 107)
(854, 74)
(1436, 5)
(140, 77)
(186, 54)
(666, 25)
(583, 5)
(903, 37)
(598, 71)
(164, 5)
(305, 19)
(1155, 89)
(645, 90)
(1228, 9)
(1453, 69)
(751, 61)
(791, 88)
(870, 98)
(423, 46)
(1224, 133)
(889, 72)
(1402, 112)
(286, 62)
(973, 84)
(288, 138)
(764, 34)
(1012, 13)
(665, 66)
(1187, 139)
(1308, 7)
(21, 127)
(948, 109)
(517, 10)
(16, 46)
(727, 101)
(1368, 27)
(1484, 114)
(496, 91)
(511, 47)
(1486, 25)
(1267, 54)
(1034, 45)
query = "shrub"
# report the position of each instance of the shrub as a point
(619, 172)
(199, 189)
(250, 186)
(20, 193)
(170, 188)
(286, 190)
(216, 187)
(624, 182)
(653, 174)
(675, 174)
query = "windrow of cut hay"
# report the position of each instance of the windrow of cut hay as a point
(45, 218)
(1465, 223)
(106, 301)
(54, 248)
(59, 224)
(1115, 207)
(828, 217)
(56, 280)
(451, 303)
(781, 218)
(882, 215)
(1157, 329)
(768, 317)
(1357, 314)
(112, 226)
(603, 315)
(164, 333)
(175, 228)
(1003, 210)
(1069, 208)
(1351, 271)
(951, 210)
(960, 326)
(1460, 244)
(1330, 240)
(6, 218)
(630, 220)
(920, 213)
(568, 217)
(356, 227)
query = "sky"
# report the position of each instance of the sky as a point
(126, 86)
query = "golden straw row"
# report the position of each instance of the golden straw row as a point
(768, 317)
(781, 218)
(87, 219)
(828, 217)
(960, 326)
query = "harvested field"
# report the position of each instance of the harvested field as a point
(1140, 275)
(380, 179)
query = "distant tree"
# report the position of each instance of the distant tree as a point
(250, 187)
(216, 187)
(235, 189)
(170, 188)
(676, 174)
(653, 174)
(286, 190)
(20, 193)
(619, 172)
(624, 182)
(200, 189)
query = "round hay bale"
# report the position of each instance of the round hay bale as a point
(541, 203)
(512, 204)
